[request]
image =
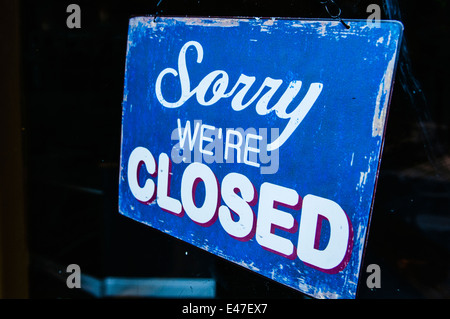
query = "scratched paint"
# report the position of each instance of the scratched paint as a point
(329, 146)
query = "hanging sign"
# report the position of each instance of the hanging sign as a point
(259, 140)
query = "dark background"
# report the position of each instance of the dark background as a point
(71, 92)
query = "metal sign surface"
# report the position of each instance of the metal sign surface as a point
(259, 140)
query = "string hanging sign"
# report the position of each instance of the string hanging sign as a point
(259, 140)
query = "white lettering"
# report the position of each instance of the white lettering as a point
(186, 92)
(187, 133)
(327, 253)
(236, 146)
(204, 138)
(333, 257)
(194, 174)
(163, 198)
(139, 157)
(269, 216)
(221, 80)
(248, 149)
(243, 228)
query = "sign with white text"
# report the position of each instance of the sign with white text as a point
(259, 140)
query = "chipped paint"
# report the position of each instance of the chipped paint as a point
(380, 40)
(250, 266)
(382, 100)
(222, 23)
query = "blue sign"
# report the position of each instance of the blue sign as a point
(259, 140)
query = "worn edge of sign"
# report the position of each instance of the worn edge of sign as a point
(389, 81)
(265, 23)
